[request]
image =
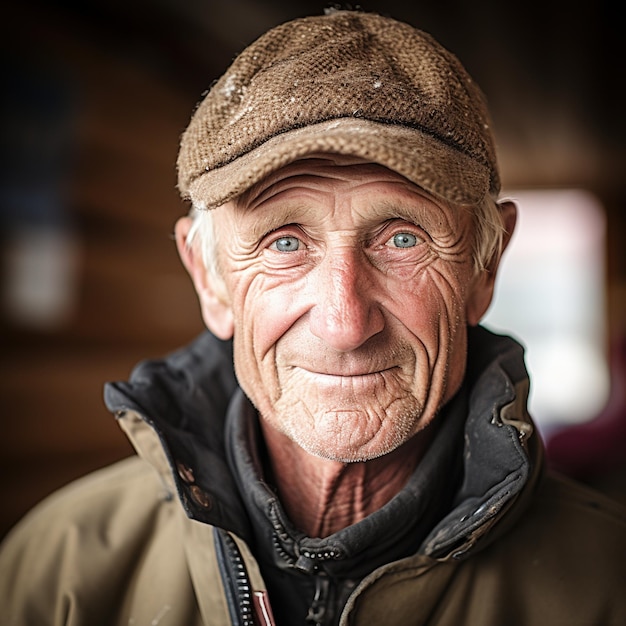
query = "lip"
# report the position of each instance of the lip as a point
(344, 374)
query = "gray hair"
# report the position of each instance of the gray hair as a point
(489, 233)
(202, 233)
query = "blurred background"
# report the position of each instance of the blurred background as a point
(95, 95)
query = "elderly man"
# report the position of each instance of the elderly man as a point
(370, 459)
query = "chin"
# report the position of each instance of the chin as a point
(332, 449)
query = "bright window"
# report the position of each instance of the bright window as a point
(550, 295)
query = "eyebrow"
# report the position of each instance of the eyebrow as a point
(431, 217)
(260, 222)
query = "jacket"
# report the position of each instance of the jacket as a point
(163, 539)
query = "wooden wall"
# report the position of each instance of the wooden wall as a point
(132, 299)
(131, 82)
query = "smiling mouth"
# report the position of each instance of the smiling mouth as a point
(345, 375)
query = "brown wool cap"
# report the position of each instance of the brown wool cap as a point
(349, 83)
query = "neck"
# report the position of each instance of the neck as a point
(325, 496)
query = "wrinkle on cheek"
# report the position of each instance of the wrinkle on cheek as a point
(402, 278)
(450, 291)
(435, 299)
(446, 279)
(246, 291)
(267, 317)
(393, 398)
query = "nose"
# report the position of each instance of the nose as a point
(346, 313)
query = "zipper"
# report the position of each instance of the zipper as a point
(245, 607)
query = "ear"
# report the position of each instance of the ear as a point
(214, 303)
(481, 291)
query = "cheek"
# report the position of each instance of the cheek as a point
(449, 288)
(265, 311)
(429, 302)
(432, 309)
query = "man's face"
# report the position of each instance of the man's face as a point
(347, 286)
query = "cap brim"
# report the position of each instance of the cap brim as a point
(428, 162)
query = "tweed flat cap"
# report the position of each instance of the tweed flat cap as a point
(347, 82)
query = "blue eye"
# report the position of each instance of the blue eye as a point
(286, 244)
(404, 240)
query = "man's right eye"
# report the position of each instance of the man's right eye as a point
(286, 244)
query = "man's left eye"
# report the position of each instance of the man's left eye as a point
(403, 240)
(286, 244)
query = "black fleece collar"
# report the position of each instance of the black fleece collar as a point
(184, 399)
(393, 532)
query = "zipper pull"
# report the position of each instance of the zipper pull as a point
(317, 610)
(263, 609)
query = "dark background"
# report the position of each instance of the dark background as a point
(95, 96)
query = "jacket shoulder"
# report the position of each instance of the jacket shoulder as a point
(77, 544)
(560, 563)
(96, 498)
(563, 560)
(579, 509)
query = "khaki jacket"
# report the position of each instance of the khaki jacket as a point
(117, 549)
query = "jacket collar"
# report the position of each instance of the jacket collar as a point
(394, 531)
(174, 410)
(503, 454)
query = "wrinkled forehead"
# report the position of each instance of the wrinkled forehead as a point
(321, 168)
(288, 195)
